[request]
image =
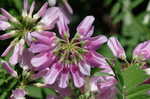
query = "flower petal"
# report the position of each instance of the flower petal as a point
(8, 68)
(142, 51)
(41, 12)
(77, 79)
(64, 77)
(52, 13)
(53, 73)
(96, 42)
(4, 26)
(95, 59)
(43, 38)
(31, 9)
(15, 56)
(8, 15)
(85, 26)
(8, 49)
(85, 68)
(41, 73)
(39, 59)
(39, 47)
(62, 25)
(116, 48)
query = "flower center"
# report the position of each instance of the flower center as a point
(24, 26)
(70, 51)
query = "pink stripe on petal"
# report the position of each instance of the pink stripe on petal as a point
(39, 59)
(85, 25)
(95, 59)
(41, 73)
(77, 79)
(8, 15)
(51, 77)
(7, 35)
(41, 12)
(85, 68)
(39, 47)
(43, 38)
(32, 9)
(21, 46)
(116, 47)
(64, 78)
(3, 18)
(63, 27)
(52, 13)
(8, 68)
(8, 49)
(96, 42)
(68, 7)
(26, 5)
(47, 33)
(4, 25)
(15, 56)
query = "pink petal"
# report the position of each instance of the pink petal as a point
(77, 79)
(85, 26)
(63, 27)
(3, 18)
(95, 59)
(4, 26)
(96, 42)
(8, 68)
(25, 59)
(39, 47)
(7, 35)
(21, 46)
(43, 38)
(85, 68)
(52, 75)
(8, 15)
(116, 48)
(39, 59)
(31, 9)
(41, 12)
(26, 5)
(8, 49)
(41, 73)
(64, 77)
(52, 14)
(68, 7)
(15, 56)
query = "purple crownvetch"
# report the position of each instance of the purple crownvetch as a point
(21, 28)
(68, 55)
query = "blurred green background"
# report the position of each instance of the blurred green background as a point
(128, 20)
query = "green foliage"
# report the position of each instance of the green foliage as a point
(130, 82)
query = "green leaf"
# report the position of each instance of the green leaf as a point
(140, 96)
(34, 92)
(101, 74)
(133, 76)
(118, 18)
(135, 3)
(115, 9)
(37, 92)
(118, 73)
(142, 89)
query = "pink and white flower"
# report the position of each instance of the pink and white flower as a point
(18, 94)
(142, 51)
(22, 29)
(116, 48)
(67, 56)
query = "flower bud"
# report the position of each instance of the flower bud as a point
(116, 48)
